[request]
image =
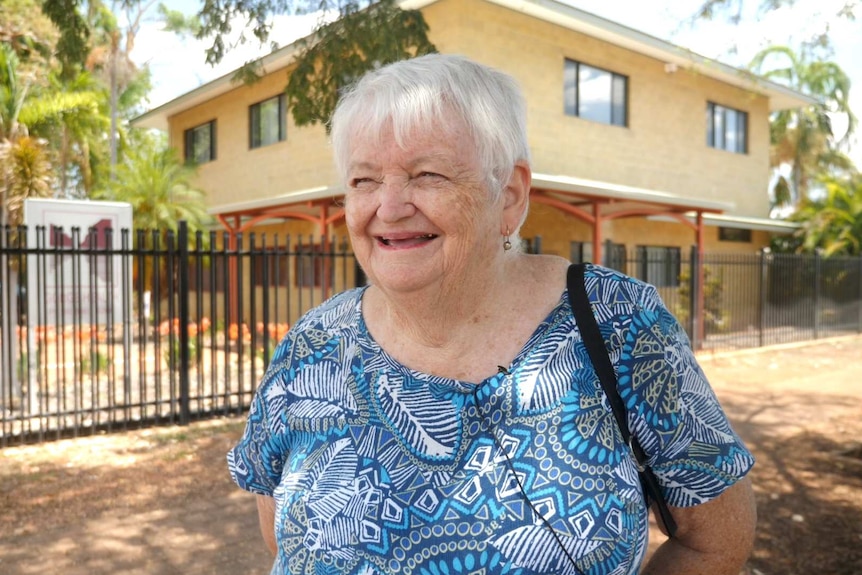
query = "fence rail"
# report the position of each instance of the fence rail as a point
(108, 333)
(103, 332)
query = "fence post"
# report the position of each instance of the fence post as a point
(817, 278)
(183, 312)
(696, 311)
(859, 297)
(764, 280)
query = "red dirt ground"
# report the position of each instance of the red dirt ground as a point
(159, 501)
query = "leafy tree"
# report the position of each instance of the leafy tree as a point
(157, 184)
(733, 10)
(833, 223)
(110, 60)
(803, 138)
(24, 168)
(72, 117)
(30, 34)
(366, 34)
(340, 52)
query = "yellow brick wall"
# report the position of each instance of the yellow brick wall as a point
(663, 148)
(241, 174)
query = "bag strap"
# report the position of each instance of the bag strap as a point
(598, 352)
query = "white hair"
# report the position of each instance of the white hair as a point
(426, 91)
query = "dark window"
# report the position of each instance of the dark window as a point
(581, 252)
(310, 265)
(272, 268)
(613, 255)
(595, 94)
(726, 128)
(659, 265)
(209, 273)
(267, 122)
(734, 235)
(200, 143)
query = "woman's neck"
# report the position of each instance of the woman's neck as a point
(437, 316)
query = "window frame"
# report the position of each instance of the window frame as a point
(189, 143)
(737, 235)
(311, 266)
(659, 266)
(717, 131)
(572, 72)
(254, 118)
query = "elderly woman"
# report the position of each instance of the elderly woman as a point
(446, 418)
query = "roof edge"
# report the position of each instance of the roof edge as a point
(780, 97)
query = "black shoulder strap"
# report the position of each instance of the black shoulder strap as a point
(596, 348)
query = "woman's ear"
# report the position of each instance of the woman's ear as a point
(516, 196)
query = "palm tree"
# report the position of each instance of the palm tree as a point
(157, 184)
(72, 116)
(833, 223)
(24, 173)
(803, 139)
(24, 168)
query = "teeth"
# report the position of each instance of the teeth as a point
(387, 241)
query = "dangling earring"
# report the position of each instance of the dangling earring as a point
(507, 245)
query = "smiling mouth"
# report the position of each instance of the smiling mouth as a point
(404, 242)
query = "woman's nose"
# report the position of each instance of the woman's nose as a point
(396, 200)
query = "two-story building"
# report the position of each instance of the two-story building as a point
(636, 143)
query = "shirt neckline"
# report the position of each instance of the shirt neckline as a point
(553, 318)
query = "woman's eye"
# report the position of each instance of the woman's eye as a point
(361, 182)
(430, 175)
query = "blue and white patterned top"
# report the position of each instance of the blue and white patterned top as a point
(378, 469)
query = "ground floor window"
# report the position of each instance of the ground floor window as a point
(659, 265)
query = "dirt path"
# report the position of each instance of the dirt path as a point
(159, 501)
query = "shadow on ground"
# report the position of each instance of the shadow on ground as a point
(159, 506)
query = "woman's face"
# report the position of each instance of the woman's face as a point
(421, 215)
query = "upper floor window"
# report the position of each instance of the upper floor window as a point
(266, 122)
(726, 128)
(200, 143)
(595, 94)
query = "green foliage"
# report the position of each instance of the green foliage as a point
(72, 48)
(714, 315)
(340, 52)
(24, 173)
(366, 35)
(172, 350)
(803, 138)
(94, 361)
(216, 19)
(733, 10)
(177, 22)
(12, 93)
(26, 31)
(833, 223)
(157, 184)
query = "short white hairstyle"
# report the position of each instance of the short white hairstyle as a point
(425, 91)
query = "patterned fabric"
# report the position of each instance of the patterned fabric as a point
(376, 468)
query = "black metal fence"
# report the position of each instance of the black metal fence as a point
(101, 332)
(734, 301)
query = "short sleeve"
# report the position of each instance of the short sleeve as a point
(673, 410)
(257, 460)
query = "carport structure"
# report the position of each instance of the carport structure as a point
(590, 201)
